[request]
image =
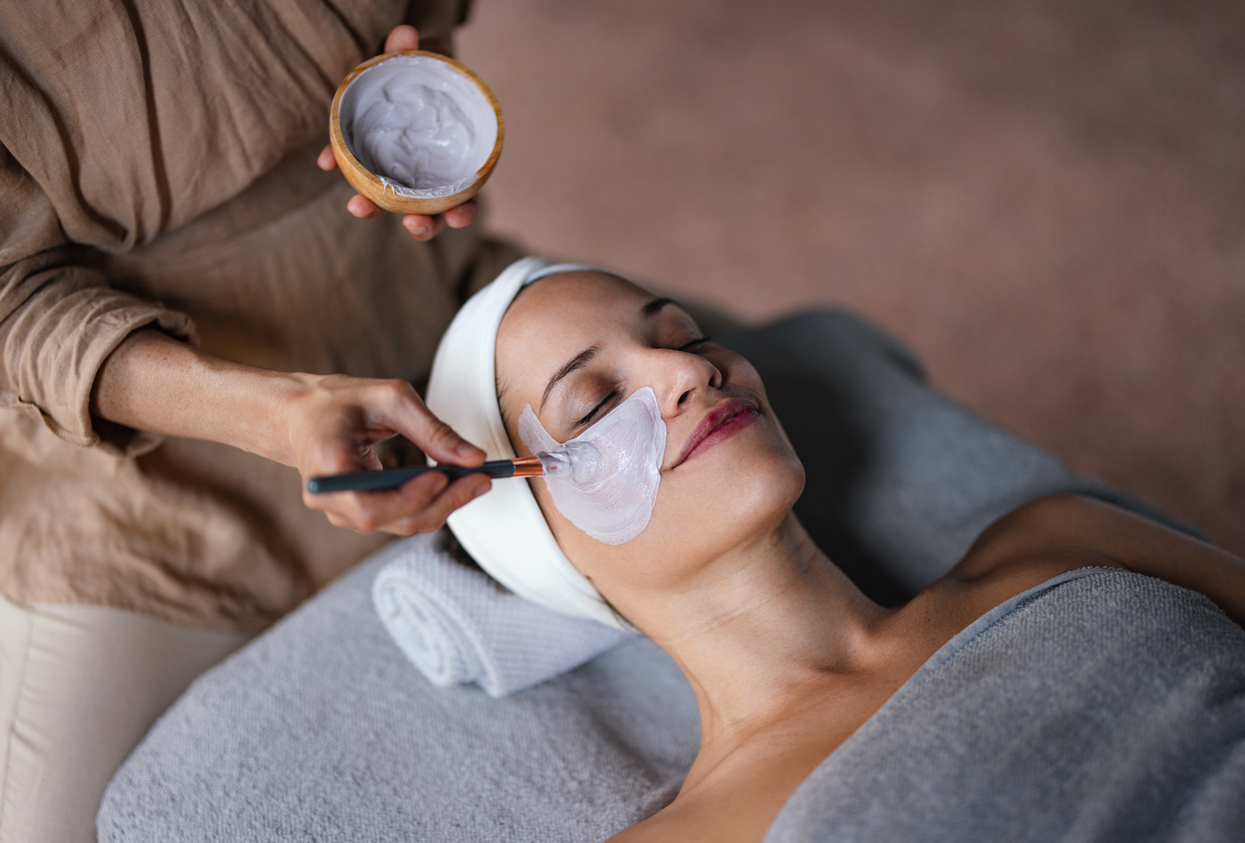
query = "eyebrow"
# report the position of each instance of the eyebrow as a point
(580, 360)
(650, 310)
(583, 358)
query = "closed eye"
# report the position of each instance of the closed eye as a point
(597, 409)
(689, 346)
(692, 345)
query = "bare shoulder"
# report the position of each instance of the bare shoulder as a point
(1054, 535)
(1027, 547)
(1023, 549)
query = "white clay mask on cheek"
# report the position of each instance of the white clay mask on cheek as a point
(615, 468)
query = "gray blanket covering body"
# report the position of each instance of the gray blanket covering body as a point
(1100, 706)
(321, 730)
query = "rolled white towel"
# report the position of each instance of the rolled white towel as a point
(457, 625)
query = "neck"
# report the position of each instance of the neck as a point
(766, 628)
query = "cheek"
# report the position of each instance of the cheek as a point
(584, 552)
(613, 569)
(698, 517)
(704, 514)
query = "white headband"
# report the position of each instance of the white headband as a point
(504, 530)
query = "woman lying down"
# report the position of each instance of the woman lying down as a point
(693, 541)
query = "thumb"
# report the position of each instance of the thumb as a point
(402, 37)
(434, 437)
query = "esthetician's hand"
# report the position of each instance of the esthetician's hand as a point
(318, 424)
(420, 226)
(335, 425)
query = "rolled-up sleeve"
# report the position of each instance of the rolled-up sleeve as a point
(60, 319)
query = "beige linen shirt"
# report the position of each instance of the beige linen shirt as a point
(157, 167)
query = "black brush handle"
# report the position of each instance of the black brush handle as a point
(392, 478)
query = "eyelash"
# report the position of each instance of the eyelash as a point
(687, 346)
(591, 413)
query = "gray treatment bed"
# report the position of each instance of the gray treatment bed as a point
(1100, 706)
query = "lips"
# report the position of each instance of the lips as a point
(725, 415)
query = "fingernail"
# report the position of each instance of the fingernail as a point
(418, 230)
(480, 489)
(466, 450)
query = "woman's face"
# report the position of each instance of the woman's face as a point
(574, 346)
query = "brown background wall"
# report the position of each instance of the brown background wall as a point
(1045, 199)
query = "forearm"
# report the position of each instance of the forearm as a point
(155, 383)
(319, 424)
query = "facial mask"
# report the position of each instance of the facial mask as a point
(419, 125)
(605, 480)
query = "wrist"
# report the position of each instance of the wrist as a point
(282, 407)
(154, 383)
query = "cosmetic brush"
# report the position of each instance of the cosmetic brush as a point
(392, 478)
(581, 460)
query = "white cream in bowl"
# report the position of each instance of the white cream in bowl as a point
(419, 125)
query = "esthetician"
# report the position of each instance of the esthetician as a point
(190, 318)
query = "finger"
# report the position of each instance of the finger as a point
(424, 227)
(462, 216)
(327, 160)
(367, 512)
(343, 449)
(363, 208)
(410, 417)
(332, 456)
(337, 521)
(402, 37)
(461, 492)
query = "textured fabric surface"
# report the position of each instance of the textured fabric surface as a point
(1102, 706)
(321, 730)
(458, 626)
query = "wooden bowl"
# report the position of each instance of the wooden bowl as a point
(388, 193)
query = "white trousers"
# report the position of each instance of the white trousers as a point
(79, 687)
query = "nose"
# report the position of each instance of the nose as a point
(680, 378)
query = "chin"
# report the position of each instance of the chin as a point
(763, 491)
(710, 513)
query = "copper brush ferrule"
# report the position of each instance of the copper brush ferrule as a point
(523, 467)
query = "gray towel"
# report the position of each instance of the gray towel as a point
(321, 731)
(1101, 706)
(457, 625)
